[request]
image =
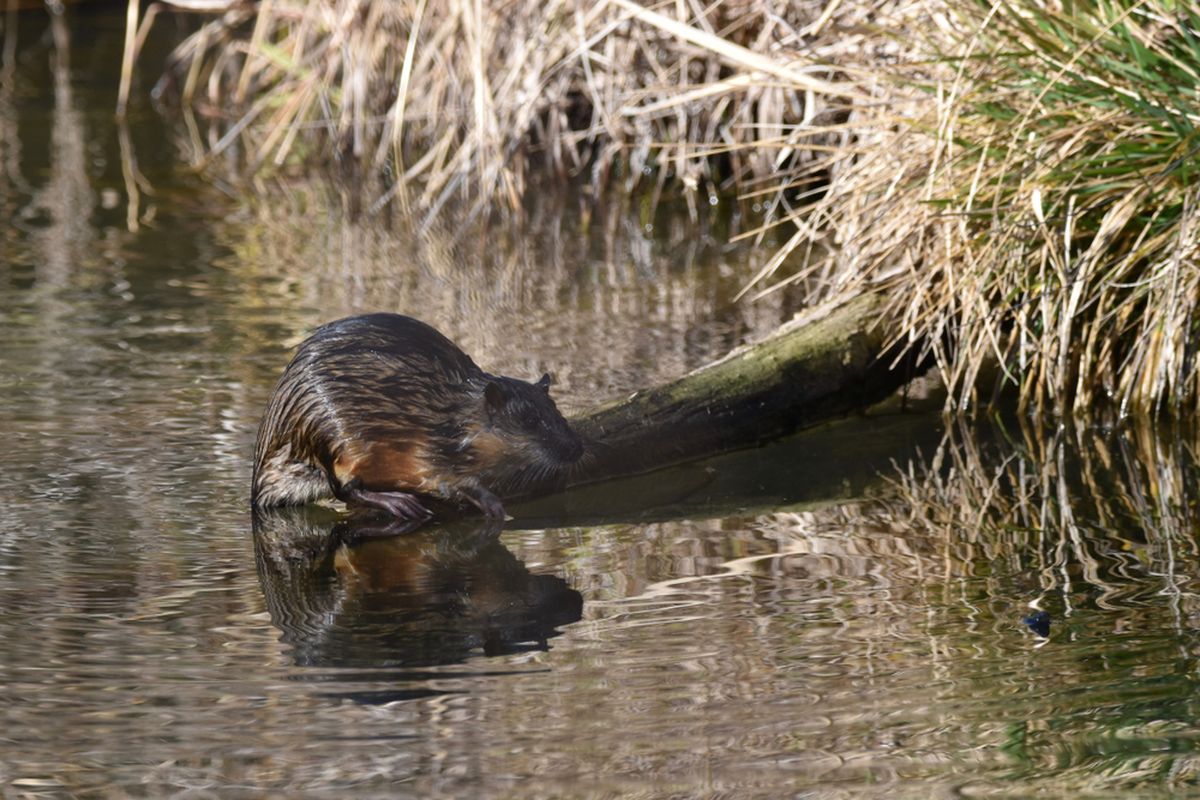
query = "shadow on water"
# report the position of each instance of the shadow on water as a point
(363, 593)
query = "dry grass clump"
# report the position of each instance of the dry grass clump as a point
(1018, 175)
(459, 100)
(1042, 214)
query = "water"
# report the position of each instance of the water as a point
(836, 615)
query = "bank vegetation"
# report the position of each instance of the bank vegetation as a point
(1016, 178)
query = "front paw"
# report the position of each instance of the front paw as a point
(488, 503)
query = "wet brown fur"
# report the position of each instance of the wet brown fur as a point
(383, 403)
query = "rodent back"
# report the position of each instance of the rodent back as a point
(410, 378)
(362, 377)
(378, 375)
(399, 343)
(386, 378)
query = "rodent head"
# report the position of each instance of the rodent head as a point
(524, 417)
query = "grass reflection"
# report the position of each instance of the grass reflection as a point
(1083, 507)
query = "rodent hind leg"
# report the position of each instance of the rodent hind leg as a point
(398, 504)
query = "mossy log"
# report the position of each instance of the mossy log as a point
(810, 371)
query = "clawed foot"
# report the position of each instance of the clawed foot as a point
(398, 504)
(488, 503)
(402, 505)
(406, 506)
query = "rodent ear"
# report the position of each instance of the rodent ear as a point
(544, 382)
(495, 395)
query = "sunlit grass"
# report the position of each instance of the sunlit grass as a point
(446, 102)
(1045, 221)
(1018, 175)
(1081, 129)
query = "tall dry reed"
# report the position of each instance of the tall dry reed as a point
(458, 100)
(1017, 175)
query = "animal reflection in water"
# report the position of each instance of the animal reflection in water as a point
(348, 594)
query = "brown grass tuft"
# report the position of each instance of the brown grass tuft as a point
(459, 100)
(1018, 176)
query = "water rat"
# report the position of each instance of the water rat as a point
(382, 410)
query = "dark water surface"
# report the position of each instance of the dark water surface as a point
(837, 615)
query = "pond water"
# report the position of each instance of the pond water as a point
(840, 614)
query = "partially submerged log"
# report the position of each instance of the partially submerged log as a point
(813, 370)
(810, 371)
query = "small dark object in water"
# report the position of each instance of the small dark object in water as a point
(382, 410)
(1039, 623)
